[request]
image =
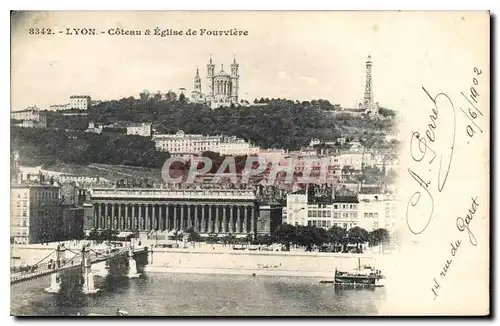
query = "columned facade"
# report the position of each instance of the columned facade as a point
(203, 217)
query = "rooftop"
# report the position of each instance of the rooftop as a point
(32, 185)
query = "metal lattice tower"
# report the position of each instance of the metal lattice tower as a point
(368, 100)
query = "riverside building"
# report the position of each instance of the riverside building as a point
(346, 210)
(146, 210)
(35, 213)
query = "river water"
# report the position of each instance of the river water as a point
(159, 294)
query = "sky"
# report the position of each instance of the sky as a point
(294, 55)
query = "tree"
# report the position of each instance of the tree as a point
(309, 236)
(157, 96)
(378, 236)
(285, 234)
(281, 123)
(170, 96)
(229, 239)
(212, 238)
(144, 95)
(357, 236)
(336, 236)
(109, 235)
(194, 237)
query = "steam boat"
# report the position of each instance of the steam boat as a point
(363, 276)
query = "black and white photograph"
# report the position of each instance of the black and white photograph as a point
(245, 163)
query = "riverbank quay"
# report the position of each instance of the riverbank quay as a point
(272, 263)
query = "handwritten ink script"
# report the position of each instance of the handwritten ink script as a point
(463, 224)
(433, 149)
(423, 151)
(434, 143)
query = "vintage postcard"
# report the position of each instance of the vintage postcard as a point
(191, 163)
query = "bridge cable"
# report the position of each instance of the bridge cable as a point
(44, 258)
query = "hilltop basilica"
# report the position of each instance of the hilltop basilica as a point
(222, 88)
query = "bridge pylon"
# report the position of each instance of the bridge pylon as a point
(55, 279)
(132, 265)
(88, 277)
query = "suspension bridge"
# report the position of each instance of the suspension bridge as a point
(83, 259)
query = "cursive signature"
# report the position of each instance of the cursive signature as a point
(421, 148)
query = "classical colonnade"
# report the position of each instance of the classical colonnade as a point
(223, 87)
(203, 218)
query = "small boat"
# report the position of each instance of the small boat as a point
(366, 277)
(363, 276)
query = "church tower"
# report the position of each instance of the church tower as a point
(210, 79)
(196, 94)
(234, 80)
(197, 81)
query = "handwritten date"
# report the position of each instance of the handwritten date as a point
(473, 113)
